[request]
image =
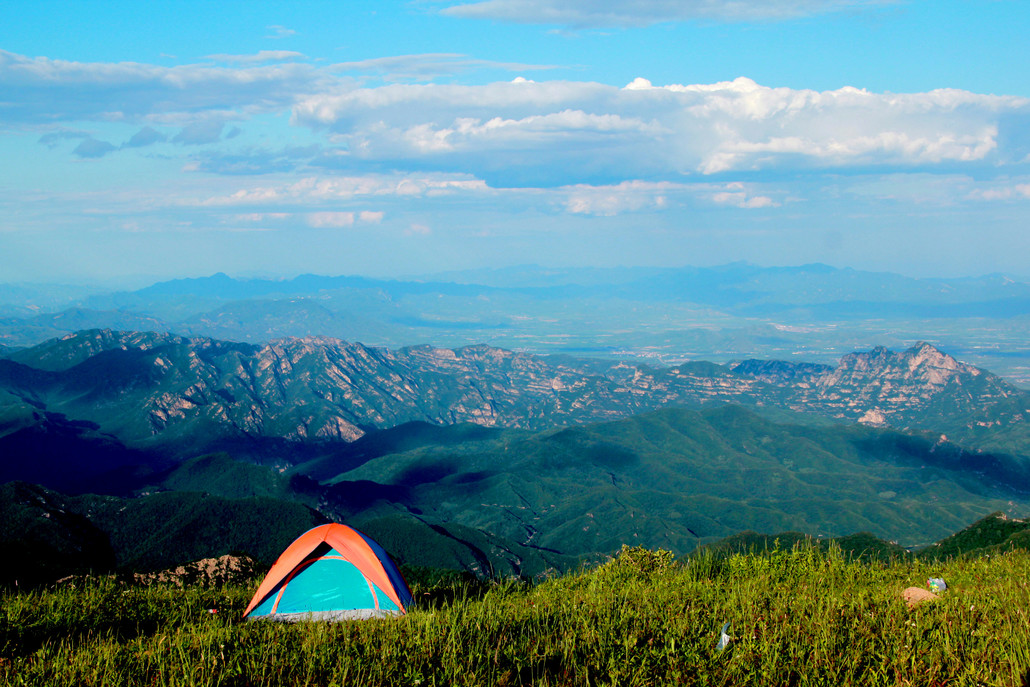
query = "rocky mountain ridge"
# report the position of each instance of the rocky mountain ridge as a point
(149, 389)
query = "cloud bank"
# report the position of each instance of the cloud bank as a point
(42, 90)
(522, 132)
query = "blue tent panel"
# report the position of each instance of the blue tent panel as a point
(326, 584)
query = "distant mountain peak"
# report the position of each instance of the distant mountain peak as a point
(928, 355)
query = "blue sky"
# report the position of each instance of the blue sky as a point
(149, 141)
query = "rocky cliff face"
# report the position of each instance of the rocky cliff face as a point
(919, 387)
(149, 389)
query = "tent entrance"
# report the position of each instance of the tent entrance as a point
(325, 583)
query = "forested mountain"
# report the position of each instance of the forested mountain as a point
(519, 502)
(506, 502)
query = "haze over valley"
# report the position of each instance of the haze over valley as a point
(812, 313)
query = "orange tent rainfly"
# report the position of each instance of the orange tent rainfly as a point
(332, 572)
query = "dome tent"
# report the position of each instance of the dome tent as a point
(331, 572)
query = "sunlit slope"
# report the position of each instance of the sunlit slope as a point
(675, 478)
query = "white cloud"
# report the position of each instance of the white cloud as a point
(1002, 192)
(603, 13)
(535, 131)
(261, 216)
(510, 134)
(936, 190)
(330, 219)
(643, 196)
(333, 219)
(628, 196)
(738, 195)
(591, 132)
(315, 189)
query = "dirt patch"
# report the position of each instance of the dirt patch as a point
(914, 596)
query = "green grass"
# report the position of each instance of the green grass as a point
(800, 617)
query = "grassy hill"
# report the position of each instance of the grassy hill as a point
(859, 546)
(803, 616)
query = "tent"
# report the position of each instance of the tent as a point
(331, 572)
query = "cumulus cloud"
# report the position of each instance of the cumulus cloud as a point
(617, 13)
(517, 133)
(524, 133)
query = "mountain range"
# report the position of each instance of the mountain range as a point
(499, 461)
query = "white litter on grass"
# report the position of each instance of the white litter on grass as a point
(724, 637)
